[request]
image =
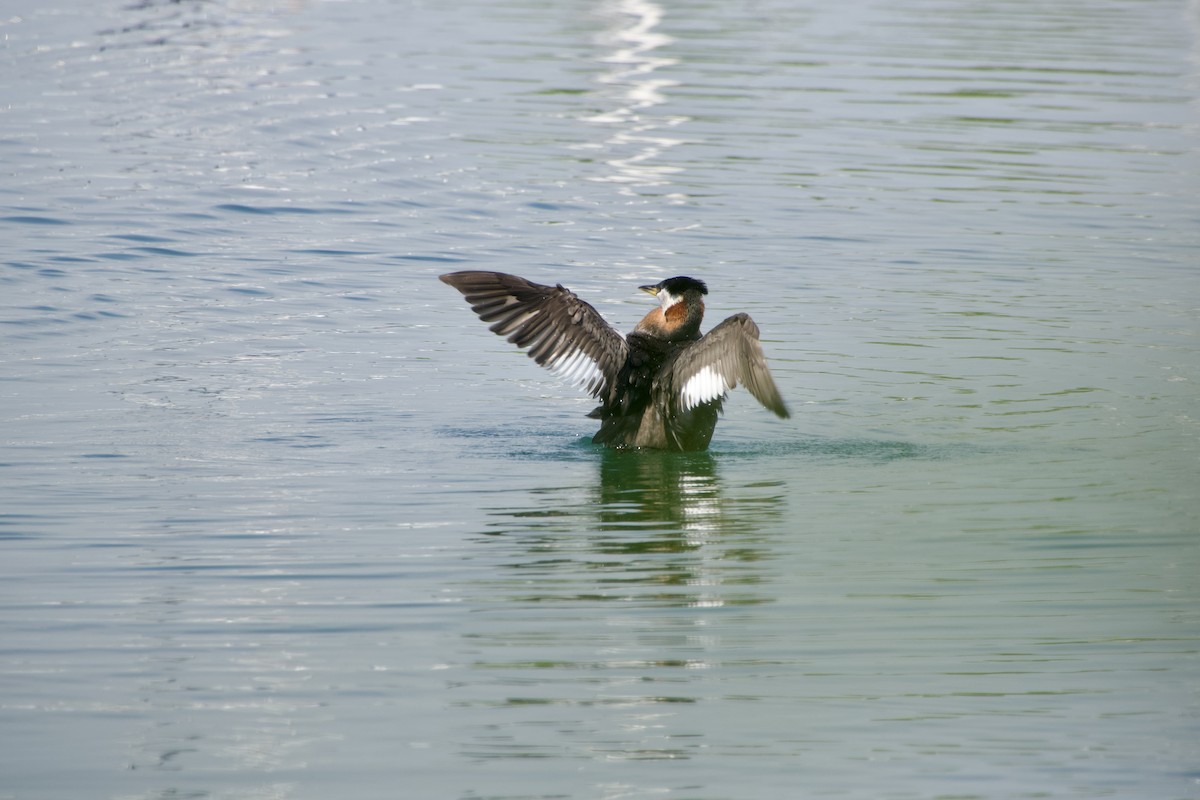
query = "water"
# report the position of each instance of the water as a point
(281, 519)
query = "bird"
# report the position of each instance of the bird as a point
(662, 386)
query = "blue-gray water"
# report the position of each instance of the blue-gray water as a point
(281, 519)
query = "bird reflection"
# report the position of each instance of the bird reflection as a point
(651, 520)
(619, 595)
(665, 491)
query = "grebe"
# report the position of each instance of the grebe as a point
(660, 387)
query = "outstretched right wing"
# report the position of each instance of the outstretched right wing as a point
(727, 355)
(561, 331)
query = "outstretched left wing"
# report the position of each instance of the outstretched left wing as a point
(561, 331)
(727, 355)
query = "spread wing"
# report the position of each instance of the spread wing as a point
(561, 331)
(727, 355)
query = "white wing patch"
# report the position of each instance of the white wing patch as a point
(703, 387)
(577, 368)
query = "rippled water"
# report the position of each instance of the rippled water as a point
(281, 519)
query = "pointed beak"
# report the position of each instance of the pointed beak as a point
(649, 289)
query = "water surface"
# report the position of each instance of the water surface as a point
(281, 519)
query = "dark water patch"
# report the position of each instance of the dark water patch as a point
(164, 251)
(31, 323)
(195, 216)
(254, 535)
(474, 212)
(141, 237)
(250, 290)
(343, 420)
(72, 260)
(836, 239)
(850, 449)
(123, 255)
(521, 441)
(524, 442)
(436, 259)
(273, 270)
(322, 251)
(242, 209)
(560, 445)
(1072, 540)
(299, 440)
(404, 203)
(545, 206)
(239, 208)
(33, 220)
(10, 521)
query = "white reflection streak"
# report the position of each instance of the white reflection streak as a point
(701, 506)
(633, 65)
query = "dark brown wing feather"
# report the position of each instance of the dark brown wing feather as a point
(727, 355)
(560, 331)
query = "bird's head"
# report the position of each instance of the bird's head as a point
(672, 290)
